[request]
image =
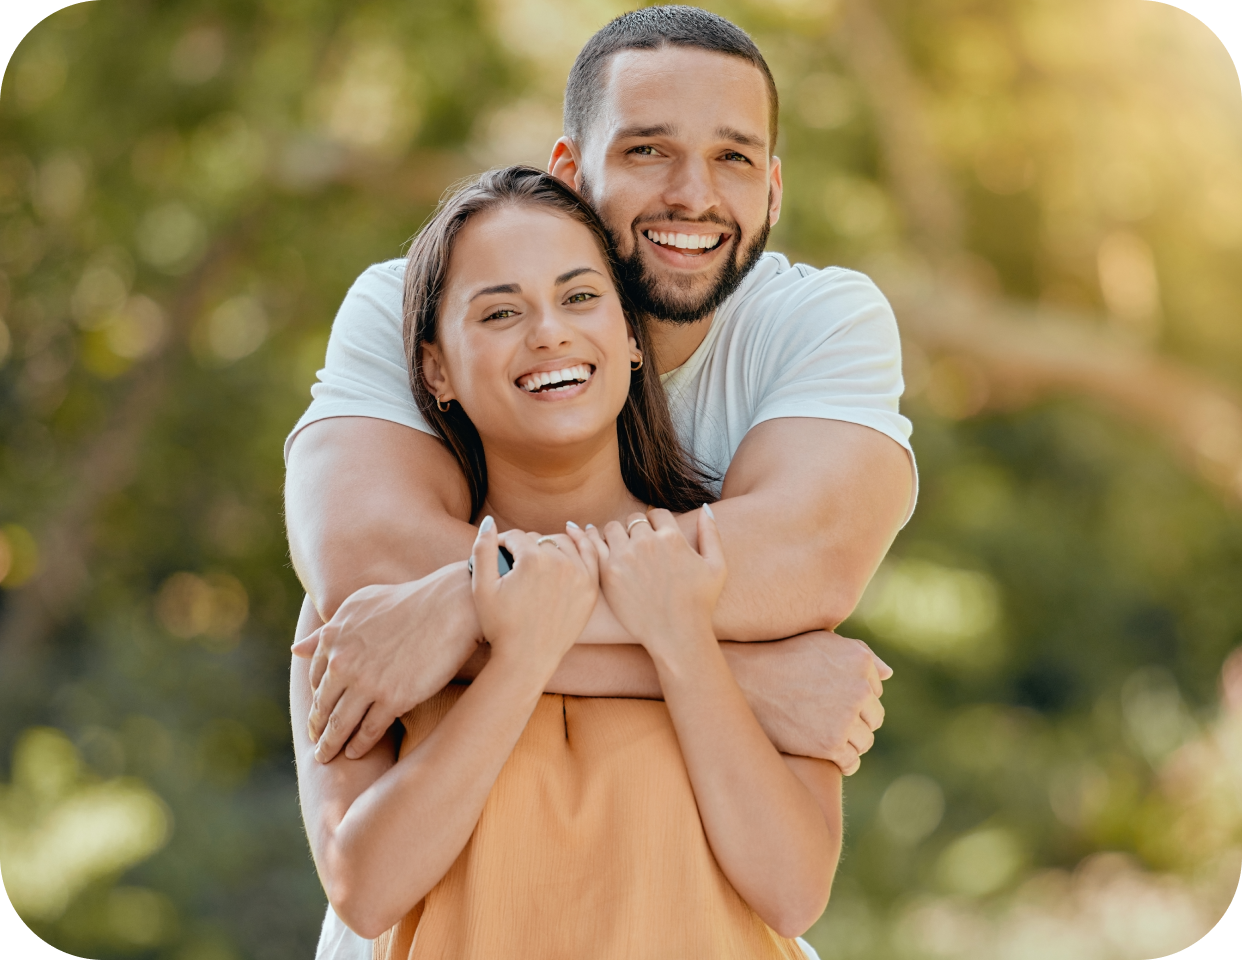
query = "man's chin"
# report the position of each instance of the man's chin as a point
(676, 304)
(679, 296)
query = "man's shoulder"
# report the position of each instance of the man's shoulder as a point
(778, 294)
(374, 300)
(386, 274)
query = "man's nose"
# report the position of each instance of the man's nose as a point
(692, 187)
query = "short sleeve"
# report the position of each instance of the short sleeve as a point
(834, 352)
(364, 373)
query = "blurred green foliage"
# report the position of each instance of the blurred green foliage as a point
(188, 188)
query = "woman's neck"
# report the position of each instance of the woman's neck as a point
(540, 490)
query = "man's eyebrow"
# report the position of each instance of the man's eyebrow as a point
(742, 139)
(577, 271)
(499, 288)
(659, 130)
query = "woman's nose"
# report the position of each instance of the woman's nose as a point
(548, 328)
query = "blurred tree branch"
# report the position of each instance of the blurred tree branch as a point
(1022, 352)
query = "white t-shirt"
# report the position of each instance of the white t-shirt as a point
(791, 341)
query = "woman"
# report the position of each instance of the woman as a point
(514, 823)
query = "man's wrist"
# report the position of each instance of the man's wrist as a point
(457, 592)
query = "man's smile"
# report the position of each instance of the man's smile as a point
(683, 248)
(684, 241)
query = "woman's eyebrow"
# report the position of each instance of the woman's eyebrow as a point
(566, 277)
(499, 288)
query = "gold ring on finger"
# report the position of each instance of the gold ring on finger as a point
(630, 525)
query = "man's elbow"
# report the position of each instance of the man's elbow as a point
(837, 601)
(798, 912)
(360, 906)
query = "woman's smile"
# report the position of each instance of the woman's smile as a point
(558, 381)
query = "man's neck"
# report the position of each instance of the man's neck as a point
(540, 490)
(675, 343)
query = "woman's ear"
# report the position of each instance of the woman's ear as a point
(635, 353)
(434, 373)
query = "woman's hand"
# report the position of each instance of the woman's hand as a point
(536, 612)
(659, 587)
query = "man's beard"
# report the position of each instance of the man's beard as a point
(662, 299)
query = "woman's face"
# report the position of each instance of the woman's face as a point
(532, 339)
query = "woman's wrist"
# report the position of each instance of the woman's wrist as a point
(682, 649)
(522, 668)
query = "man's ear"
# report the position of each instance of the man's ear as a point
(565, 163)
(434, 373)
(775, 191)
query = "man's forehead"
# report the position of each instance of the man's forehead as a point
(682, 91)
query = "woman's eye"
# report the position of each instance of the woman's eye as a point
(582, 297)
(504, 313)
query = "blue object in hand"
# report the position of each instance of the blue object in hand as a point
(504, 560)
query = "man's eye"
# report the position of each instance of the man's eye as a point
(504, 313)
(646, 150)
(582, 297)
(734, 155)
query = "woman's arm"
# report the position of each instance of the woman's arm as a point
(774, 824)
(384, 832)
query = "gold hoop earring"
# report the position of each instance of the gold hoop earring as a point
(638, 365)
(443, 405)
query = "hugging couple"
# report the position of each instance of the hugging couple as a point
(568, 465)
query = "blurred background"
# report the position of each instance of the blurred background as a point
(1049, 191)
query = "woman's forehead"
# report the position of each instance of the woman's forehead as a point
(521, 244)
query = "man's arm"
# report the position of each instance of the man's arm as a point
(373, 502)
(808, 509)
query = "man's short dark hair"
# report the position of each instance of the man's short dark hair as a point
(651, 28)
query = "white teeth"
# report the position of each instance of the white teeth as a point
(548, 378)
(685, 241)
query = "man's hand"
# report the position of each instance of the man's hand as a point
(815, 695)
(386, 650)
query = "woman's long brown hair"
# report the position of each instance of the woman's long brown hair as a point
(654, 466)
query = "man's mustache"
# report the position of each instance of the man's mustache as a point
(672, 217)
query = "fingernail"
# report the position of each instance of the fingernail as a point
(590, 526)
(707, 509)
(487, 524)
(572, 525)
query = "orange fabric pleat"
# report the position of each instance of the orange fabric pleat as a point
(589, 846)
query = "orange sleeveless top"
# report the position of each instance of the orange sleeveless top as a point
(589, 846)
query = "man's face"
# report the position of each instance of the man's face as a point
(677, 163)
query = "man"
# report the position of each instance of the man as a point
(784, 380)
